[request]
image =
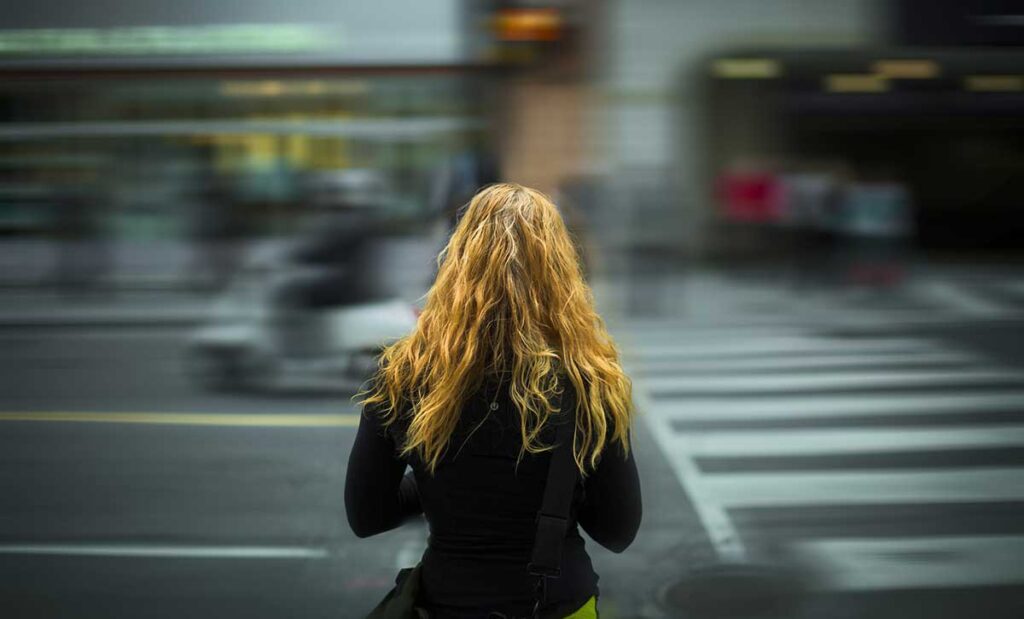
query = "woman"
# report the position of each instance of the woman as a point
(470, 400)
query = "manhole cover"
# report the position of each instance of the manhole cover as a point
(733, 591)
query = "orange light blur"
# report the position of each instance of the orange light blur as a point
(528, 25)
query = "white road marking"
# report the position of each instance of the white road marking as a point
(774, 362)
(825, 406)
(913, 563)
(182, 552)
(829, 381)
(803, 362)
(780, 346)
(683, 333)
(771, 489)
(410, 553)
(751, 444)
(256, 420)
(951, 296)
(723, 535)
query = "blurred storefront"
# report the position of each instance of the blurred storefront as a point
(153, 132)
(152, 128)
(655, 114)
(703, 97)
(820, 130)
(172, 124)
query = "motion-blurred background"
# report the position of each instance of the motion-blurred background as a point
(803, 221)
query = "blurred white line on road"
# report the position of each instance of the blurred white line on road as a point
(410, 553)
(796, 345)
(824, 406)
(755, 444)
(689, 333)
(182, 552)
(828, 381)
(713, 516)
(921, 562)
(804, 362)
(189, 419)
(888, 486)
(953, 296)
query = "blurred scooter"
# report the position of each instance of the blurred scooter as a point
(250, 342)
(307, 314)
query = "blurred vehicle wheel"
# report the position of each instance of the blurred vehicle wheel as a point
(215, 369)
(257, 371)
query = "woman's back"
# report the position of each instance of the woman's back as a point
(482, 511)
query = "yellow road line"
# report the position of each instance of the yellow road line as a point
(190, 419)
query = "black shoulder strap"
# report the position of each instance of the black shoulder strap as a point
(553, 517)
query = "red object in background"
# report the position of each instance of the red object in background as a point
(751, 197)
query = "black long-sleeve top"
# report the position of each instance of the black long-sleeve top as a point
(481, 509)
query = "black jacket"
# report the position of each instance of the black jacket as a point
(481, 508)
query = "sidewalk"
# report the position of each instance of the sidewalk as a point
(152, 282)
(35, 308)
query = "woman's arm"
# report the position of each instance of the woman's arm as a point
(612, 510)
(378, 497)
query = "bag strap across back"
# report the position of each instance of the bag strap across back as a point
(553, 517)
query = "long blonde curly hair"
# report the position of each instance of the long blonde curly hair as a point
(509, 297)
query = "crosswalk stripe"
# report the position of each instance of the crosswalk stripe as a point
(859, 564)
(825, 315)
(823, 406)
(833, 380)
(874, 319)
(803, 362)
(702, 387)
(152, 550)
(882, 486)
(769, 324)
(1014, 287)
(780, 346)
(266, 420)
(713, 517)
(846, 441)
(953, 296)
(684, 333)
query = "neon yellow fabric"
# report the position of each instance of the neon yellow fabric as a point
(587, 611)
